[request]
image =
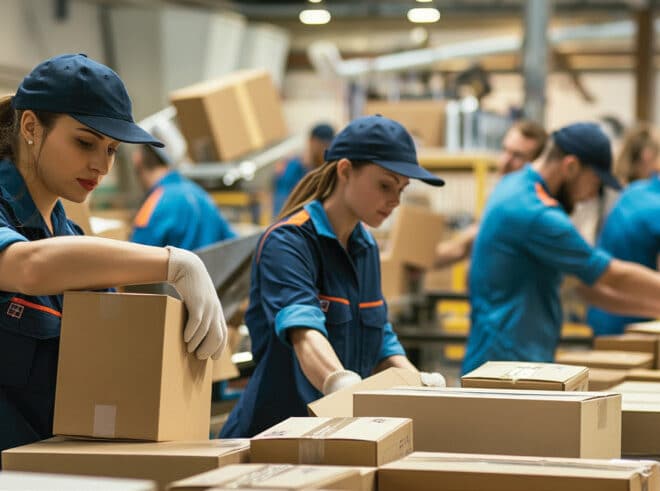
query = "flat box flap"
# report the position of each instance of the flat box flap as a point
(543, 372)
(360, 429)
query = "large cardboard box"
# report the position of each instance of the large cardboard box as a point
(643, 375)
(424, 120)
(507, 422)
(162, 462)
(274, 476)
(414, 236)
(619, 360)
(424, 471)
(631, 341)
(605, 378)
(640, 431)
(368, 442)
(392, 278)
(525, 375)
(228, 117)
(124, 370)
(28, 481)
(340, 403)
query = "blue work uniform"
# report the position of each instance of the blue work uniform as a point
(286, 178)
(179, 213)
(631, 233)
(303, 277)
(524, 245)
(29, 325)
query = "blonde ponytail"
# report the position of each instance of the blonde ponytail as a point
(316, 185)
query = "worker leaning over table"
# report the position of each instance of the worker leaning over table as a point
(317, 317)
(527, 242)
(58, 139)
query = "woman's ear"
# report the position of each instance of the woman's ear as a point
(28, 129)
(344, 168)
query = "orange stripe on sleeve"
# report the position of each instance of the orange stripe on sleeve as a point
(543, 195)
(334, 299)
(144, 215)
(36, 306)
(297, 219)
(368, 305)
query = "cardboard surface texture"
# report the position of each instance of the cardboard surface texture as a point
(651, 327)
(524, 375)
(507, 422)
(424, 471)
(275, 476)
(640, 431)
(340, 403)
(228, 117)
(631, 341)
(162, 462)
(643, 375)
(24, 481)
(124, 370)
(605, 378)
(620, 360)
(424, 120)
(334, 441)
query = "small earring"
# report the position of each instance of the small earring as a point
(30, 142)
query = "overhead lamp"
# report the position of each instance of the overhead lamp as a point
(319, 1)
(315, 16)
(418, 1)
(424, 15)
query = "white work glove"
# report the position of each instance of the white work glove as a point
(206, 329)
(338, 380)
(432, 379)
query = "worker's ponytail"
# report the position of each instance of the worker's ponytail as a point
(8, 129)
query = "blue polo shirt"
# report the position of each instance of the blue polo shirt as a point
(285, 180)
(526, 242)
(632, 233)
(303, 277)
(178, 212)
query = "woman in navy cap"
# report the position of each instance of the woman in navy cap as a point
(317, 317)
(58, 139)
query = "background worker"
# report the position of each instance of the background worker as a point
(523, 143)
(317, 316)
(58, 139)
(526, 243)
(176, 211)
(288, 174)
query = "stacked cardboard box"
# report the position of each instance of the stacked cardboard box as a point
(651, 327)
(606, 378)
(618, 360)
(424, 471)
(423, 119)
(643, 375)
(228, 117)
(631, 341)
(529, 376)
(23, 481)
(364, 442)
(507, 422)
(640, 430)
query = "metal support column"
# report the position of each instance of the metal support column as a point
(535, 57)
(644, 69)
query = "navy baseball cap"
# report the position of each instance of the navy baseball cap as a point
(87, 91)
(589, 143)
(323, 132)
(384, 142)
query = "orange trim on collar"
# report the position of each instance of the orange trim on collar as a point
(543, 195)
(144, 215)
(296, 219)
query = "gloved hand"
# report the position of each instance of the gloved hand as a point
(206, 329)
(338, 380)
(433, 379)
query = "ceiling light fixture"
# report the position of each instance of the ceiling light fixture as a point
(319, 1)
(315, 16)
(424, 15)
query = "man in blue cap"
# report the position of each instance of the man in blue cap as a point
(176, 211)
(527, 242)
(289, 173)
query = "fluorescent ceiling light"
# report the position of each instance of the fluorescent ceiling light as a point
(319, 1)
(314, 16)
(424, 15)
(419, 1)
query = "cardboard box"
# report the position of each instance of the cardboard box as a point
(392, 278)
(631, 341)
(424, 471)
(424, 120)
(619, 360)
(275, 476)
(340, 403)
(26, 481)
(228, 117)
(507, 422)
(605, 378)
(124, 370)
(640, 431)
(162, 462)
(530, 376)
(651, 327)
(368, 442)
(414, 236)
(224, 368)
(643, 375)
